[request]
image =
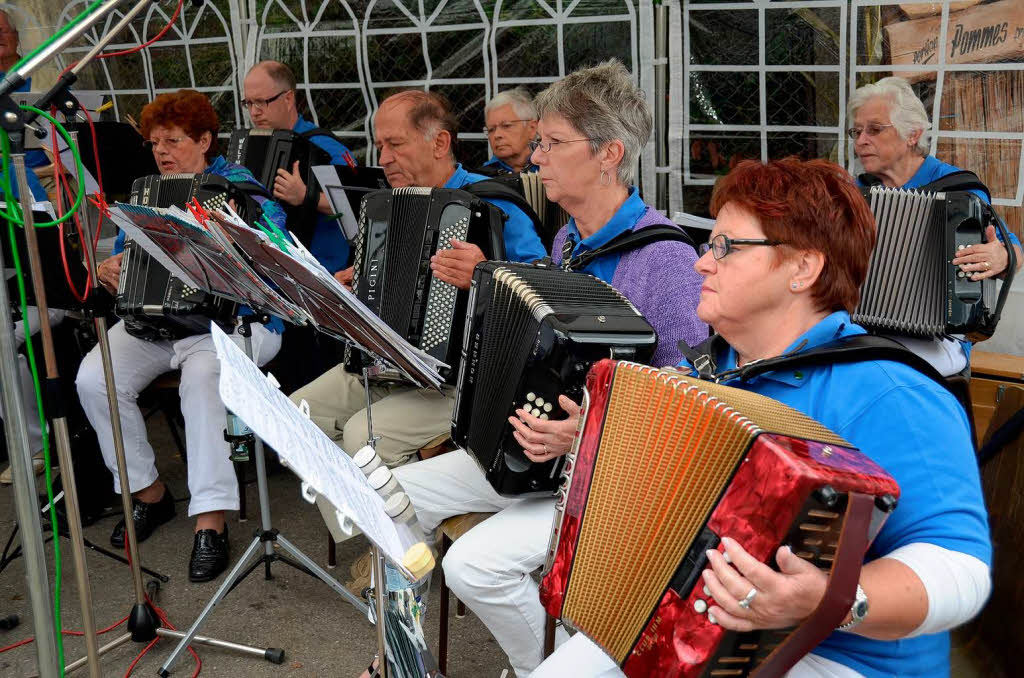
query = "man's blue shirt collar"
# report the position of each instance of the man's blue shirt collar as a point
(495, 160)
(459, 179)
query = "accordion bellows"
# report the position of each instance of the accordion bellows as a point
(666, 465)
(912, 287)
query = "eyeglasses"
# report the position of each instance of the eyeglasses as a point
(503, 126)
(262, 103)
(171, 143)
(872, 128)
(722, 245)
(546, 147)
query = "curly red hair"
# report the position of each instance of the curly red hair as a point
(188, 109)
(809, 205)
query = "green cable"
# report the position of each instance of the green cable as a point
(85, 12)
(16, 217)
(9, 197)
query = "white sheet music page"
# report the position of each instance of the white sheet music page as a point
(309, 453)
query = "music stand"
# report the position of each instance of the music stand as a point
(205, 254)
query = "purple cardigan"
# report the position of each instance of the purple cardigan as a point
(660, 281)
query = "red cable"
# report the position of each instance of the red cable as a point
(66, 633)
(58, 168)
(138, 48)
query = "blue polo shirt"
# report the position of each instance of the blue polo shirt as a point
(498, 163)
(521, 240)
(38, 192)
(329, 245)
(623, 220)
(918, 432)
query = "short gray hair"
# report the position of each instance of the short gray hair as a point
(518, 98)
(906, 112)
(603, 104)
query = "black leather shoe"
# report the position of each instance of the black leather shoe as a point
(209, 555)
(147, 518)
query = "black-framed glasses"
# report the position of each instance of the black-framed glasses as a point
(262, 103)
(546, 147)
(872, 128)
(722, 245)
(503, 126)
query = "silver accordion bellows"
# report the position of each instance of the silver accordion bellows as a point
(912, 287)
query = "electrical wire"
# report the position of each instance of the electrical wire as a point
(137, 48)
(66, 632)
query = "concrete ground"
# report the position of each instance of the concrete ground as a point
(322, 634)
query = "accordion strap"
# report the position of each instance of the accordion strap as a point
(839, 592)
(496, 189)
(855, 349)
(631, 240)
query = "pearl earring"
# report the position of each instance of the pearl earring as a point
(793, 285)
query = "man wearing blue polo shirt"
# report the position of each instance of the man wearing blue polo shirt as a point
(270, 99)
(414, 133)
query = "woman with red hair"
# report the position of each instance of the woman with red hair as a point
(787, 255)
(181, 128)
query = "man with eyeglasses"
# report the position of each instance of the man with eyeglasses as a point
(511, 120)
(269, 89)
(9, 48)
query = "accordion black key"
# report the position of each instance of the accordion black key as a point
(399, 230)
(912, 287)
(264, 151)
(154, 304)
(532, 332)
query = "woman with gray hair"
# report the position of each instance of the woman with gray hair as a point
(593, 124)
(510, 124)
(890, 138)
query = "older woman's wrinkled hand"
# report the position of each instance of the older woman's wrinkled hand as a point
(545, 439)
(109, 271)
(455, 266)
(985, 260)
(774, 600)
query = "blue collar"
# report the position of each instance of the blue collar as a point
(495, 160)
(459, 179)
(828, 329)
(218, 165)
(302, 125)
(623, 220)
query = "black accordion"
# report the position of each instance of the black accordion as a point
(264, 151)
(532, 332)
(399, 230)
(912, 287)
(154, 304)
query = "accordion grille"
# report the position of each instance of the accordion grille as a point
(684, 458)
(405, 258)
(905, 288)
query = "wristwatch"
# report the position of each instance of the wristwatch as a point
(858, 611)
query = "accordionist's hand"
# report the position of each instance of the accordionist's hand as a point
(289, 186)
(749, 594)
(109, 271)
(986, 260)
(345, 276)
(455, 266)
(546, 439)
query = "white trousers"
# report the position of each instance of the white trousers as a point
(28, 392)
(581, 658)
(489, 568)
(136, 363)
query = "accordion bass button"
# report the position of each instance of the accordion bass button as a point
(700, 605)
(531, 396)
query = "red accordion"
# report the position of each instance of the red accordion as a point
(662, 467)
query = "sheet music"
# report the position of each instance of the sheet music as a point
(127, 224)
(309, 453)
(330, 182)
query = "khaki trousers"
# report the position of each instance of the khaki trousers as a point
(405, 418)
